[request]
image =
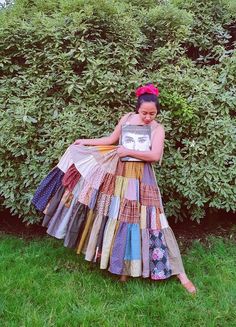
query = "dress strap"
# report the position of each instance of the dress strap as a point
(128, 117)
(154, 127)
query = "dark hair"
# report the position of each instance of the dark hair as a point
(147, 97)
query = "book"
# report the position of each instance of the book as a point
(135, 137)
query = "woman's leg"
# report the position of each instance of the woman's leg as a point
(187, 284)
(123, 278)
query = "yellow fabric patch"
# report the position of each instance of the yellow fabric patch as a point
(134, 169)
(87, 227)
(121, 186)
(107, 243)
(103, 149)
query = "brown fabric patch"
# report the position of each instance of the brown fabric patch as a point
(67, 198)
(102, 204)
(129, 211)
(120, 170)
(108, 186)
(149, 195)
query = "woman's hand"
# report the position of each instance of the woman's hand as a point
(122, 151)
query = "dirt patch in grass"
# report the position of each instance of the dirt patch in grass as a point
(220, 224)
(14, 225)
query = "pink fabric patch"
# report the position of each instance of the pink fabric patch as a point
(131, 192)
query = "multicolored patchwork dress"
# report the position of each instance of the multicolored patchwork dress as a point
(111, 211)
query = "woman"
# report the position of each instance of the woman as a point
(111, 210)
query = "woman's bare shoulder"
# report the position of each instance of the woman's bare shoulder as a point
(158, 125)
(158, 129)
(124, 118)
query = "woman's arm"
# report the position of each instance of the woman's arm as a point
(107, 140)
(156, 152)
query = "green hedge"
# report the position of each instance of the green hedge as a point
(69, 69)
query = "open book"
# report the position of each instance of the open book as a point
(135, 137)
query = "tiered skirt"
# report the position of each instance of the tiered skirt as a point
(111, 211)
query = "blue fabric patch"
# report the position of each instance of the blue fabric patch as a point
(137, 190)
(47, 188)
(114, 207)
(133, 246)
(93, 199)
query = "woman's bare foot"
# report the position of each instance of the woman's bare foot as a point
(123, 278)
(187, 284)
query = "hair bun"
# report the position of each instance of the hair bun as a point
(148, 88)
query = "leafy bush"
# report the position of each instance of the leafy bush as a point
(65, 65)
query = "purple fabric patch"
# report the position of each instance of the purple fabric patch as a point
(145, 253)
(148, 175)
(57, 220)
(118, 251)
(148, 216)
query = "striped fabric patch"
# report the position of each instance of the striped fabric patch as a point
(129, 211)
(149, 195)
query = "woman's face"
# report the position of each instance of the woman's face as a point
(147, 112)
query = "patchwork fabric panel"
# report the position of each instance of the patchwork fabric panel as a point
(159, 262)
(111, 211)
(149, 195)
(129, 211)
(47, 188)
(71, 178)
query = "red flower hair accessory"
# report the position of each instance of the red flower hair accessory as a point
(150, 88)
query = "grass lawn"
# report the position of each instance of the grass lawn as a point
(44, 284)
